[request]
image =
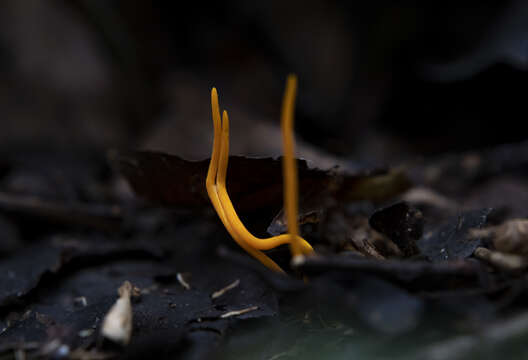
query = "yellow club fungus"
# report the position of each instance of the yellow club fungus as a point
(216, 184)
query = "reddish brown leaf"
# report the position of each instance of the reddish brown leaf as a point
(253, 183)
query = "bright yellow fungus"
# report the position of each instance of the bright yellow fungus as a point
(216, 184)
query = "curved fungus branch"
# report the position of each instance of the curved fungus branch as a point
(217, 191)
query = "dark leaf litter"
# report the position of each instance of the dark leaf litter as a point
(451, 241)
(70, 248)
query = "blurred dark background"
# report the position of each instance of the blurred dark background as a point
(379, 81)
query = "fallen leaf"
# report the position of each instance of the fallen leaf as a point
(452, 240)
(401, 223)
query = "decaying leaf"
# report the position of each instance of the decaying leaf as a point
(23, 273)
(254, 183)
(452, 240)
(170, 180)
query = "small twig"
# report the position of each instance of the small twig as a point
(238, 312)
(182, 281)
(225, 289)
(98, 216)
(403, 270)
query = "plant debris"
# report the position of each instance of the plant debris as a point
(255, 183)
(501, 260)
(382, 263)
(412, 164)
(510, 236)
(402, 224)
(452, 240)
(225, 289)
(117, 323)
(238, 312)
(183, 281)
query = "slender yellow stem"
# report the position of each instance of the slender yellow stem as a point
(289, 166)
(213, 164)
(212, 188)
(217, 191)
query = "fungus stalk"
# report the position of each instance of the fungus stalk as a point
(217, 191)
